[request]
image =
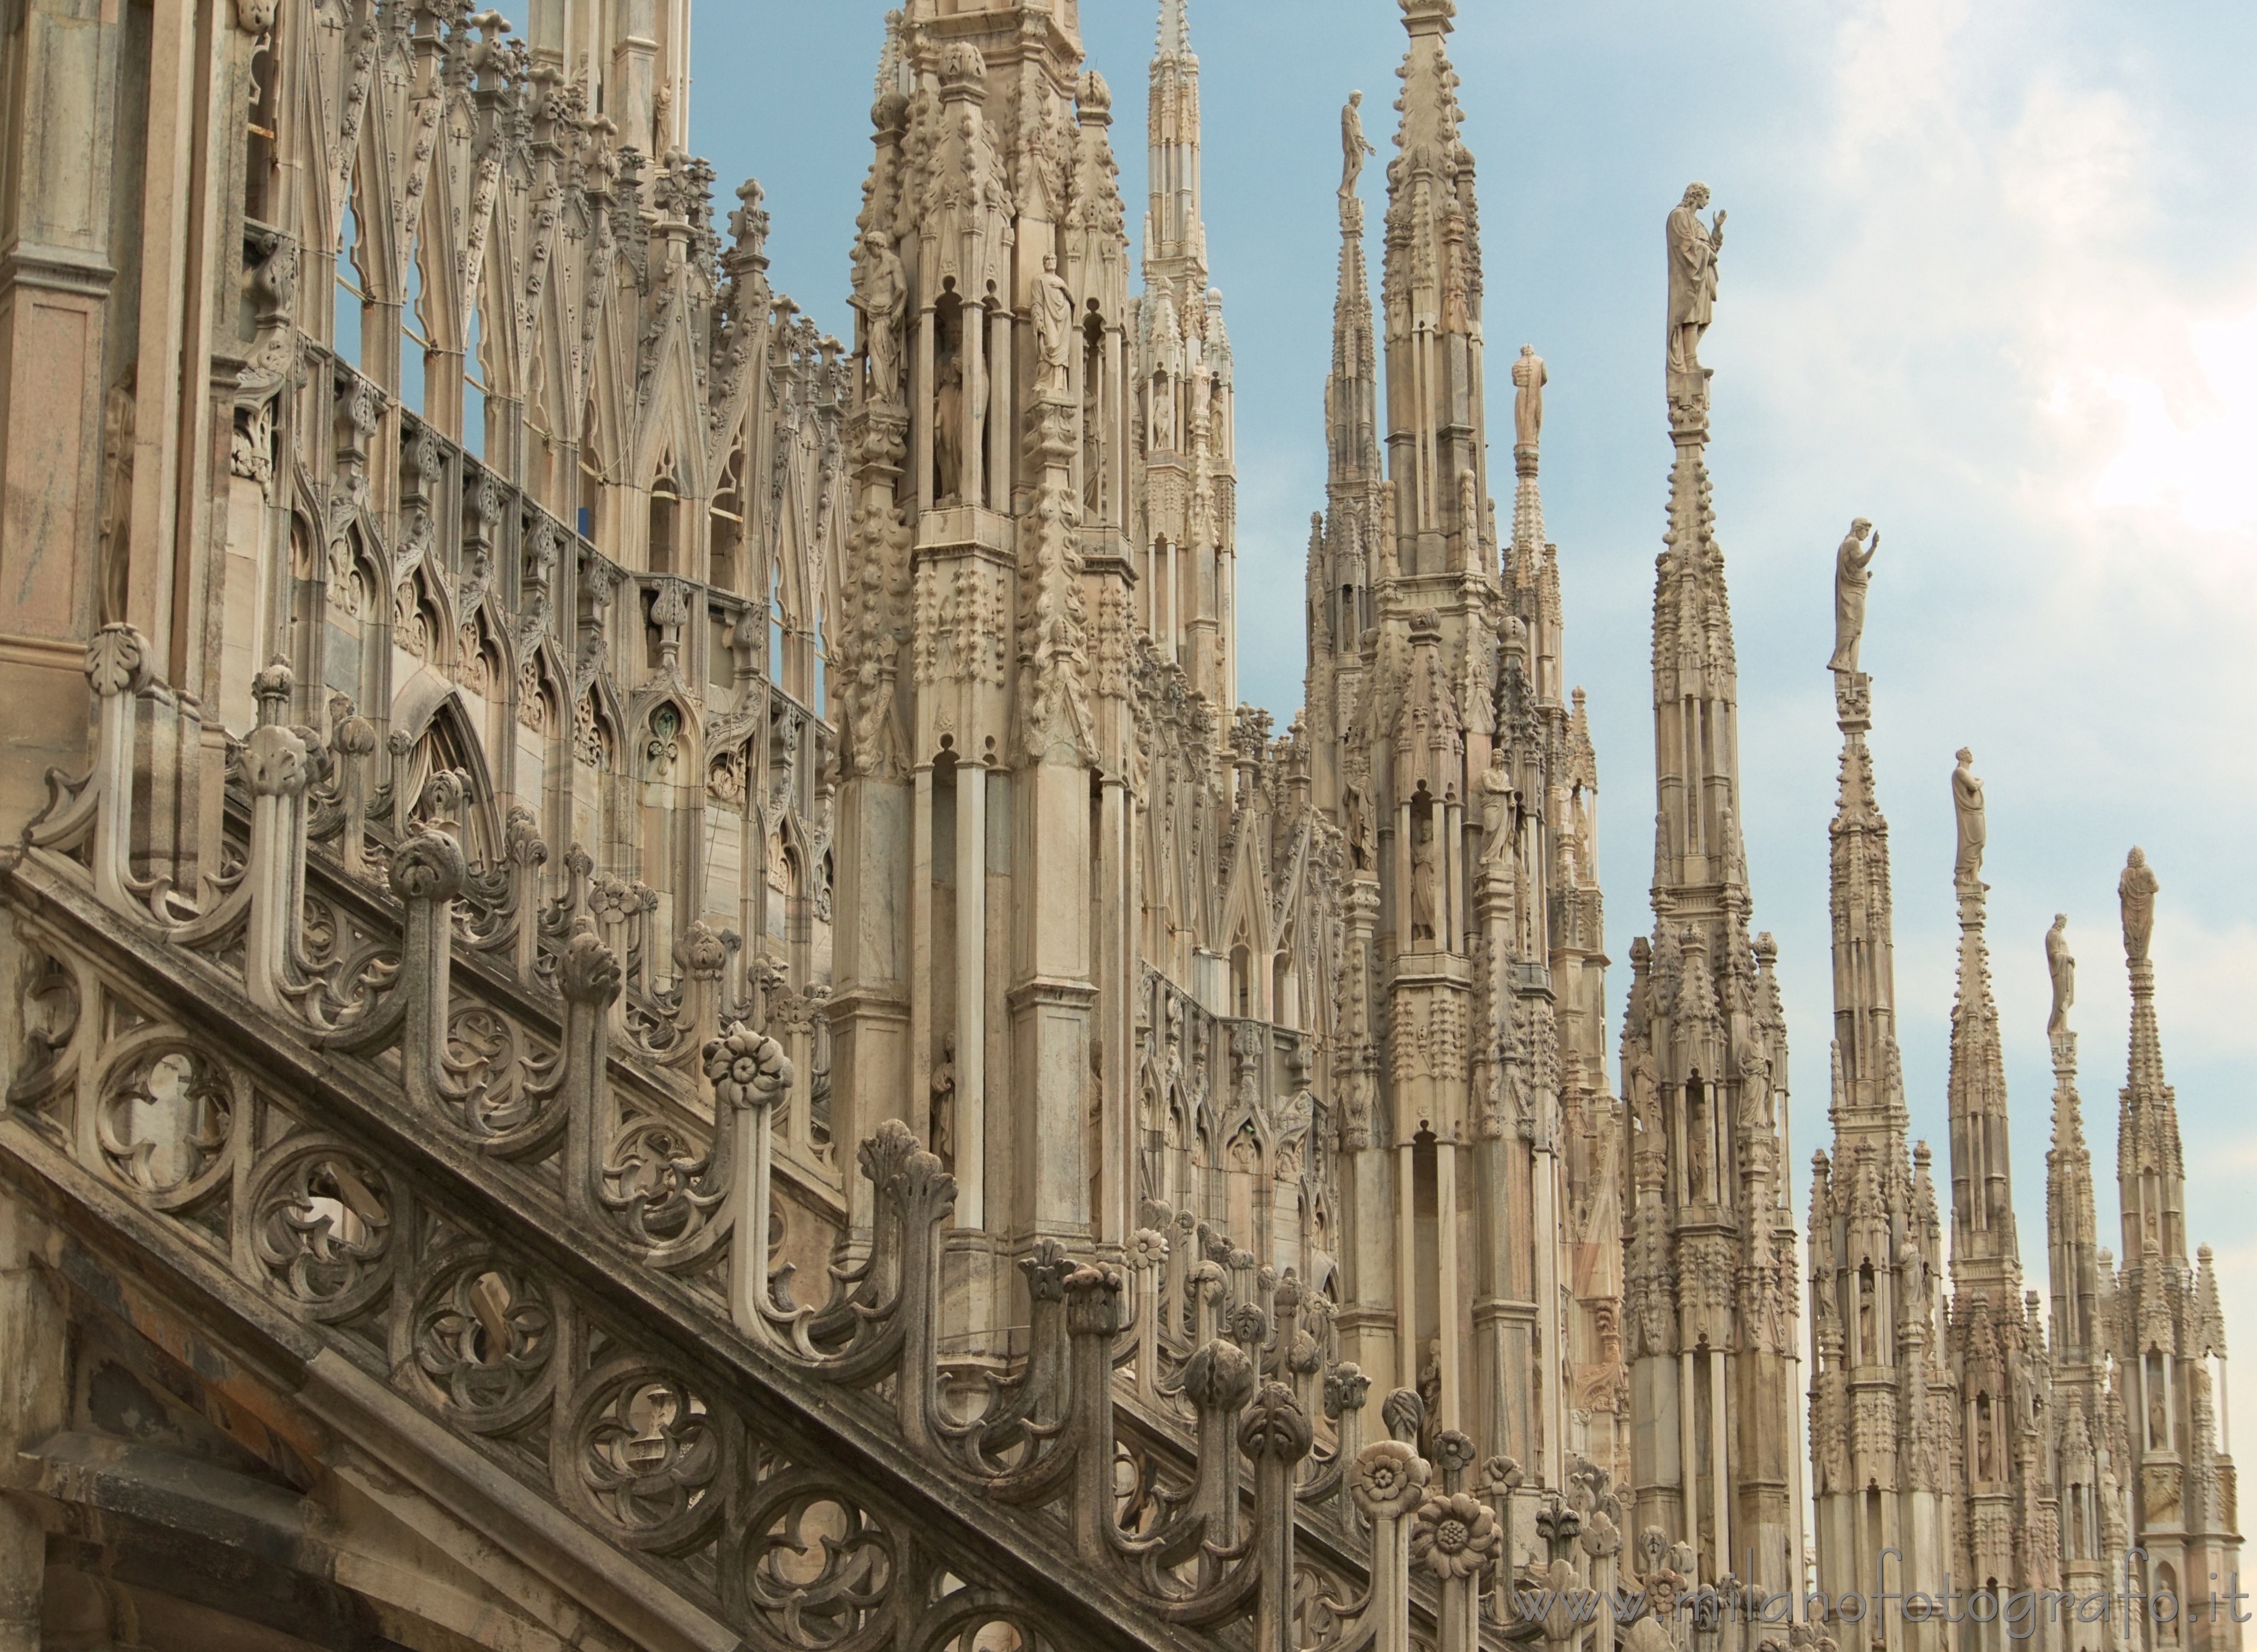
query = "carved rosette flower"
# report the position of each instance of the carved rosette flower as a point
(1454, 1536)
(1388, 1479)
(428, 866)
(1218, 1377)
(1453, 1452)
(1500, 1477)
(747, 1068)
(1276, 1426)
(1146, 1249)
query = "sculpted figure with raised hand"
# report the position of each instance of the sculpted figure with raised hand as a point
(1693, 250)
(1850, 576)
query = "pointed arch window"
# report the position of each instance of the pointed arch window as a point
(665, 510)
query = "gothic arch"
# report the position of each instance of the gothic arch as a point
(431, 731)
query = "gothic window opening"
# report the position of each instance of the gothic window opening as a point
(668, 769)
(665, 506)
(721, 650)
(412, 326)
(1242, 979)
(729, 510)
(1425, 1205)
(259, 124)
(595, 760)
(475, 378)
(1285, 983)
(351, 300)
(593, 467)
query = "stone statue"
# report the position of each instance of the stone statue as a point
(1529, 379)
(948, 431)
(1161, 426)
(943, 1115)
(1354, 145)
(1850, 563)
(882, 298)
(2062, 969)
(1693, 250)
(1053, 306)
(1202, 387)
(1424, 909)
(1645, 1095)
(2136, 890)
(1358, 810)
(1967, 798)
(1496, 809)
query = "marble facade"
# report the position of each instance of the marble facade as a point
(656, 994)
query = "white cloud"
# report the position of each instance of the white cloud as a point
(2191, 448)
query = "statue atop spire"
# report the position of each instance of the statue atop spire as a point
(1693, 250)
(1851, 563)
(2061, 968)
(1529, 379)
(2135, 892)
(1354, 146)
(1967, 801)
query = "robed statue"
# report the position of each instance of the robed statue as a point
(1052, 302)
(1693, 250)
(1967, 800)
(2062, 969)
(1850, 576)
(1529, 379)
(1354, 145)
(2135, 890)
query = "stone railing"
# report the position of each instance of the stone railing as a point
(412, 1121)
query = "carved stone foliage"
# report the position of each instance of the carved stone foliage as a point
(612, 1418)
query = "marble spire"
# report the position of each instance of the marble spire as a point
(1431, 293)
(1876, 1251)
(1868, 1104)
(1985, 1254)
(1345, 540)
(1700, 1037)
(1174, 235)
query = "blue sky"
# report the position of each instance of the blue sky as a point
(1990, 279)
